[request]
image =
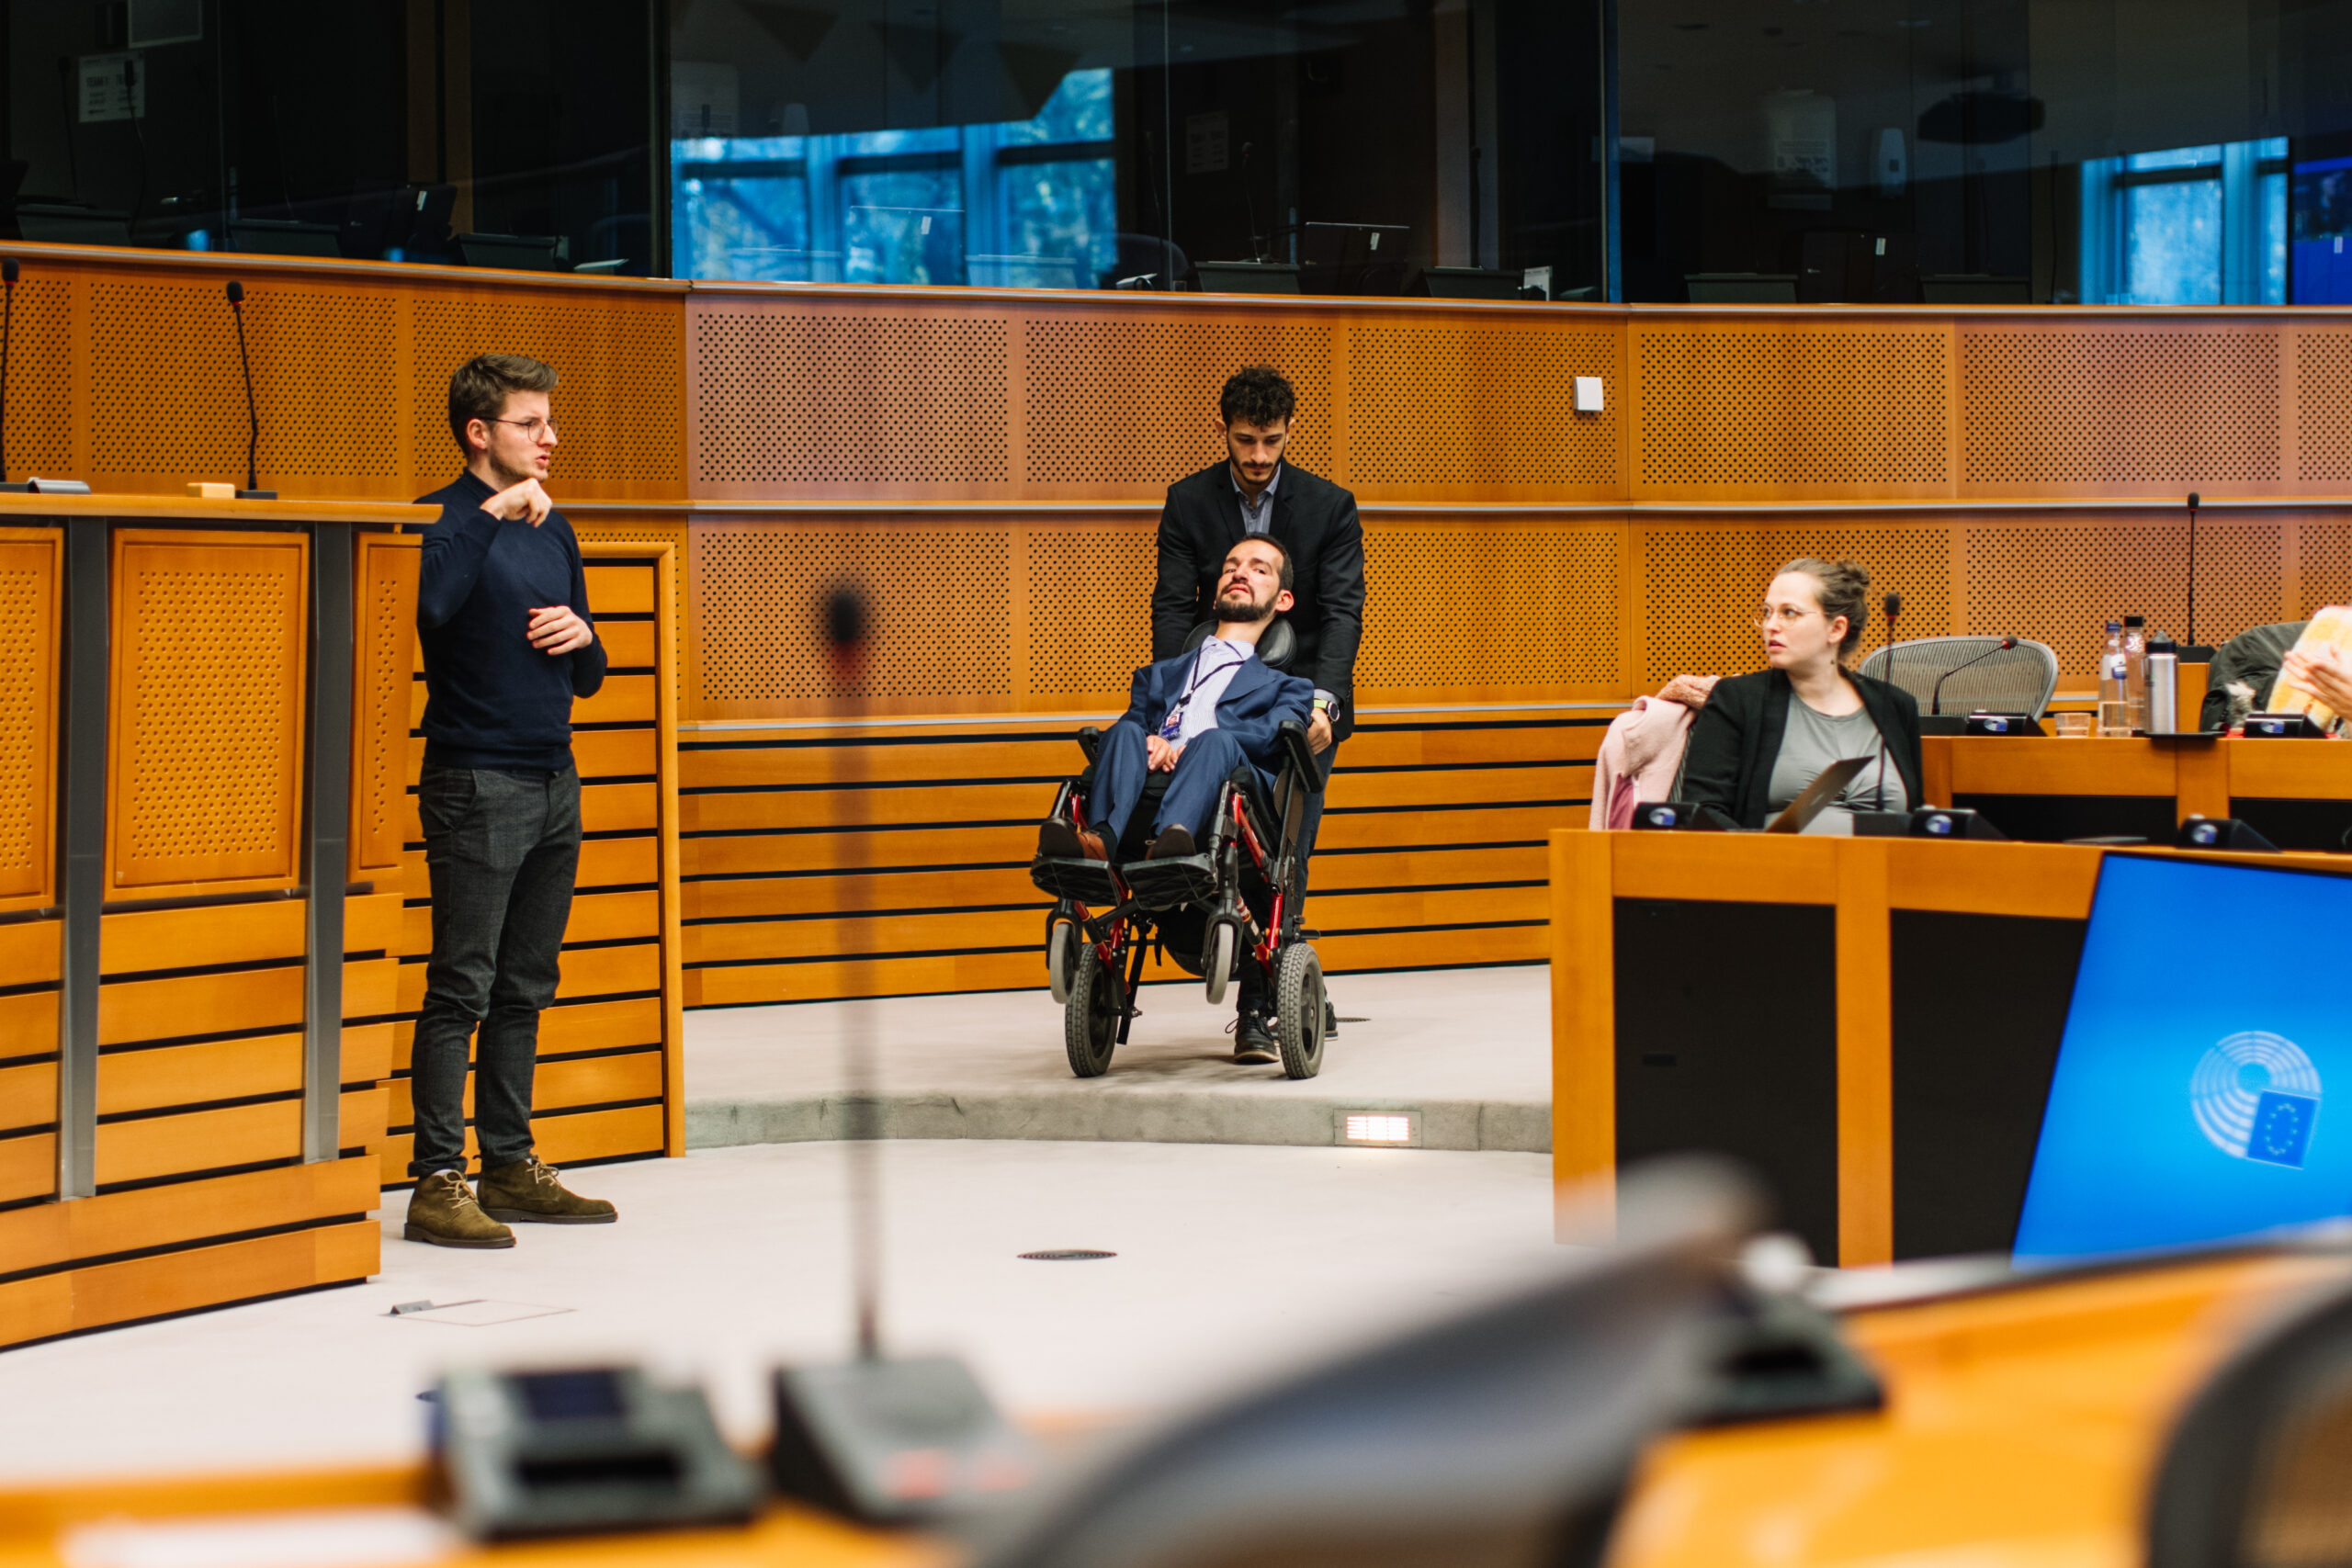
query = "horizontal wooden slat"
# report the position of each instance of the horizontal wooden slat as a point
(202, 1140)
(1352, 911)
(364, 1113)
(557, 1086)
(881, 978)
(1415, 829)
(1434, 949)
(370, 988)
(615, 753)
(27, 1095)
(871, 933)
(189, 1075)
(623, 699)
(607, 917)
(2031, 765)
(600, 1026)
(606, 970)
(2268, 771)
(798, 808)
(372, 922)
(562, 1139)
(1452, 786)
(824, 895)
(200, 937)
(28, 1166)
(1406, 868)
(618, 809)
(620, 590)
(199, 1004)
(745, 767)
(30, 951)
(628, 645)
(919, 850)
(140, 1288)
(618, 863)
(28, 1023)
(1455, 745)
(50, 1234)
(366, 1053)
(416, 930)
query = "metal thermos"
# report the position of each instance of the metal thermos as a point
(2164, 688)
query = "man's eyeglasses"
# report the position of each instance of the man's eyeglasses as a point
(1787, 615)
(529, 427)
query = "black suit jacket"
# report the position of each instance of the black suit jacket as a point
(1736, 740)
(1316, 521)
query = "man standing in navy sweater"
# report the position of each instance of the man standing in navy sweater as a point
(502, 613)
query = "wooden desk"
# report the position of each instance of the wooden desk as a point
(2296, 792)
(1872, 1022)
(204, 712)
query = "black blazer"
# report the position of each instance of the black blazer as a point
(1316, 521)
(1736, 740)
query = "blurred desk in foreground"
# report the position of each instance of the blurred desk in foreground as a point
(1871, 1023)
(2298, 794)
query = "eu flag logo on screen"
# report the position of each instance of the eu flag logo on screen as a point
(2282, 1129)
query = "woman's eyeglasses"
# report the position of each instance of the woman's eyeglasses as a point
(1786, 615)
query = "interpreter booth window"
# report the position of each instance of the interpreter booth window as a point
(1028, 203)
(2186, 226)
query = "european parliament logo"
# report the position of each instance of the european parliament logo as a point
(2256, 1097)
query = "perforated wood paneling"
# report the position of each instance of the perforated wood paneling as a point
(937, 595)
(29, 626)
(2326, 568)
(798, 399)
(1128, 402)
(1543, 613)
(1703, 586)
(206, 756)
(172, 400)
(1480, 405)
(40, 379)
(2085, 408)
(1089, 592)
(639, 531)
(620, 410)
(2061, 585)
(2323, 405)
(385, 620)
(1766, 405)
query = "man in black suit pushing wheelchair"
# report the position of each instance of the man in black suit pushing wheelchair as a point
(1221, 737)
(1256, 491)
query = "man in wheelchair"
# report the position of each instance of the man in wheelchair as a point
(1142, 832)
(1195, 718)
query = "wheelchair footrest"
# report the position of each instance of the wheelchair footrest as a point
(1085, 881)
(1164, 884)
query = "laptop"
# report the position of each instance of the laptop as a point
(2190, 1109)
(1815, 798)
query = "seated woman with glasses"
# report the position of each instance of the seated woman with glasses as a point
(1762, 737)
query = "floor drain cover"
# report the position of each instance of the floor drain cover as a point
(1066, 1255)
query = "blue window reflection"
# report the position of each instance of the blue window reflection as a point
(2186, 226)
(1024, 203)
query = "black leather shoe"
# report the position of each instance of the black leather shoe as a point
(1253, 1043)
(1175, 842)
(1058, 839)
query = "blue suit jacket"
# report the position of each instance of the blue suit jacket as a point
(1252, 710)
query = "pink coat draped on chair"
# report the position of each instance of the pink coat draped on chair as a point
(1639, 758)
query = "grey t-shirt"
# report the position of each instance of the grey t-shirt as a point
(1815, 740)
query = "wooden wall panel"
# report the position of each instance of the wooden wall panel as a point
(30, 585)
(384, 623)
(205, 758)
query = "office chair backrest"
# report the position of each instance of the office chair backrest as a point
(1499, 1437)
(1275, 649)
(2017, 681)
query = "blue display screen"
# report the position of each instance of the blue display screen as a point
(2190, 1102)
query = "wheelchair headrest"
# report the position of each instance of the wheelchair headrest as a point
(1274, 649)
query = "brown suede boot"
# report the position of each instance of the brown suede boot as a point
(529, 1191)
(441, 1213)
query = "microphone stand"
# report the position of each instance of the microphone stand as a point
(1936, 699)
(2192, 568)
(253, 490)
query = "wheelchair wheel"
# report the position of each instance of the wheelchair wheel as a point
(1062, 957)
(1298, 1011)
(1092, 1017)
(1216, 963)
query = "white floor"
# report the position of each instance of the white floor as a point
(1232, 1260)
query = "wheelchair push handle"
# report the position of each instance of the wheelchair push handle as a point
(1294, 743)
(1090, 740)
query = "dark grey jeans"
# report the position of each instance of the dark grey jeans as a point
(504, 850)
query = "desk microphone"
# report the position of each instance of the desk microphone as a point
(8, 270)
(253, 490)
(1936, 698)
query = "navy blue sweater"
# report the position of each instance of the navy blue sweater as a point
(492, 699)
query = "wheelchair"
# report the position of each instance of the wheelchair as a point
(1235, 902)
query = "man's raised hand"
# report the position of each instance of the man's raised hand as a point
(526, 500)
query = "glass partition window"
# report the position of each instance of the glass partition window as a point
(2186, 226)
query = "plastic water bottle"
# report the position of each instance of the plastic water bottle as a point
(2114, 697)
(2136, 671)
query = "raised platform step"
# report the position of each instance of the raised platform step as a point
(1469, 1050)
